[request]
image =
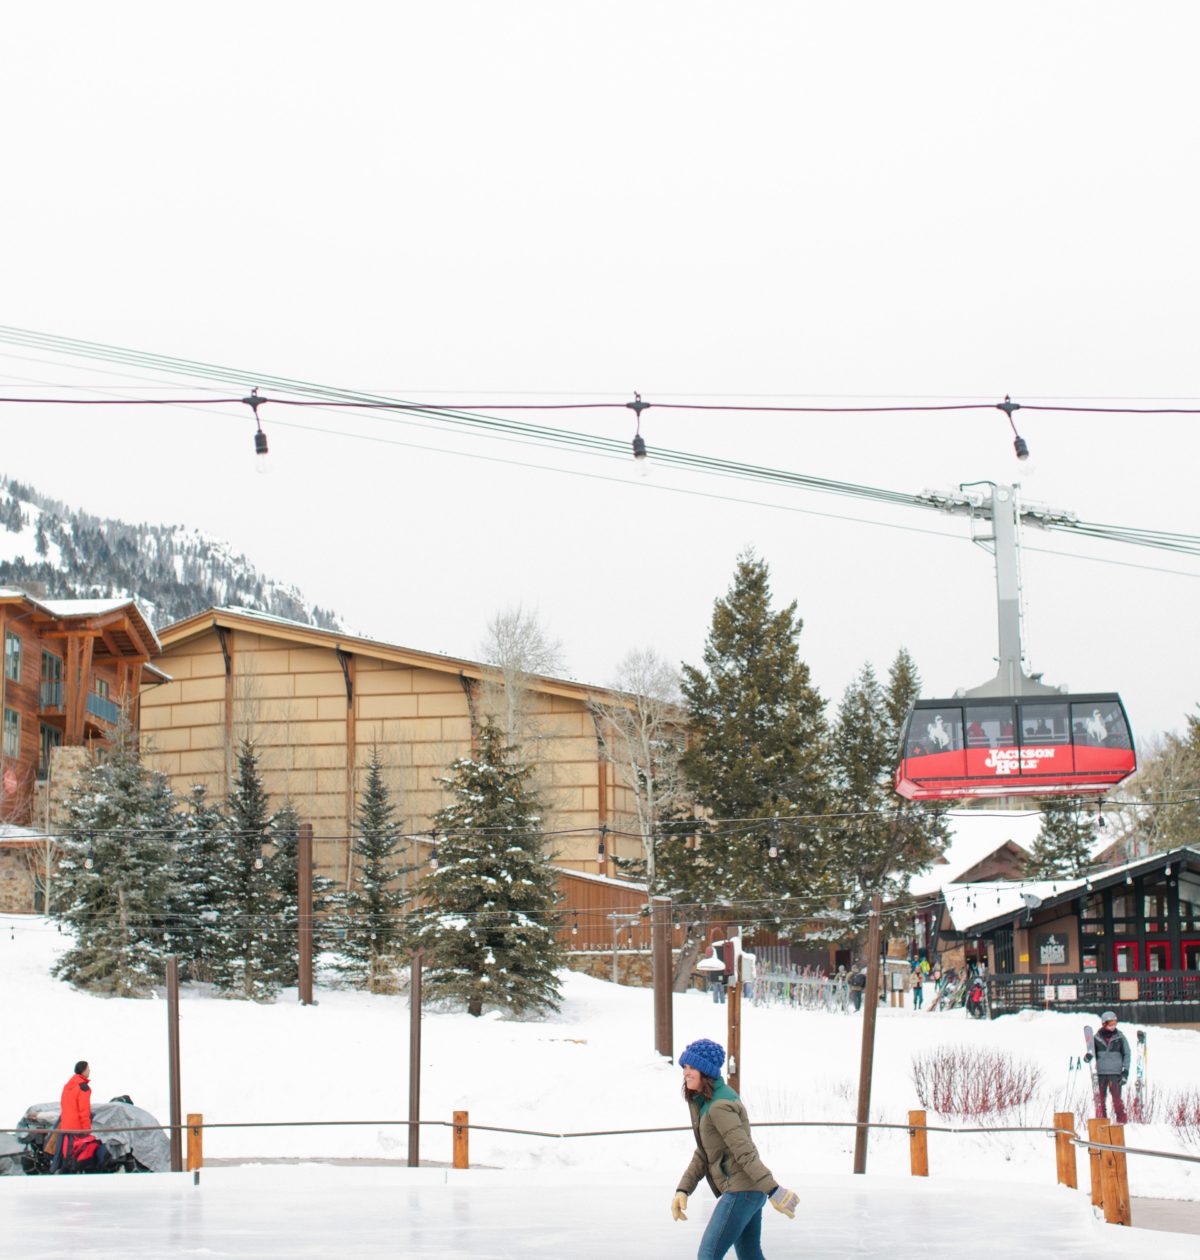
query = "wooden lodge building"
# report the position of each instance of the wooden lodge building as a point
(1126, 938)
(70, 667)
(316, 701)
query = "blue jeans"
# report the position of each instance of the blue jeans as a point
(736, 1222)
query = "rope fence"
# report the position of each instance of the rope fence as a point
(1105, 1143)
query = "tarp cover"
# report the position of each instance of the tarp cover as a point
(133, 1131)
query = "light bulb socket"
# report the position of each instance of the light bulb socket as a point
(260, 442)
(639, 446)
(1021, 447)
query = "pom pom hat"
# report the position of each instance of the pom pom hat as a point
(705, 1056)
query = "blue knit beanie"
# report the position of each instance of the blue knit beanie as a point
(705, 1056)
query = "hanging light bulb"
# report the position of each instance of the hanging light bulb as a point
(260, 438)
(258, 859)
(90, 860)
(639, 442)
(575, 926)
(773, 847)
(1019, 444)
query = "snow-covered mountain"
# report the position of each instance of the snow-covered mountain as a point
(173, 572)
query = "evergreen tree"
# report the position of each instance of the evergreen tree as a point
(877, 840)
(1064, 843)
(374, 905)
(283, 874)
(247, 964)
(195, 917)
(116, 872)
(486, 923)
(757, 752)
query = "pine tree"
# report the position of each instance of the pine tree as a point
(487, 923)
(247, 964)
(375, 931)
(283, 875)
(758, 752)
(1064, 843)
(877, 840)
(116, 872)
(195, 916)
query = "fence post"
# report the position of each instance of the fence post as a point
(195, 1141)
(461, 1131)
(918, 1144)
(1064, 1125)
(1094, 1135)
(1117, 1210)
(414, 1061)
(173, 1062)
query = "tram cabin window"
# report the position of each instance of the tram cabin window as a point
(989, 725)
(1044, 724)
(1101, 725)
(934, 731)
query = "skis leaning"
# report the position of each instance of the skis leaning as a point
(1089, 1038)
(1138, 1110)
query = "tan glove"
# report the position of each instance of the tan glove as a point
(785, 1201)
(678, 1203)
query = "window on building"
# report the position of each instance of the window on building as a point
(12, 733)
(51, 738)
(12, 656)
(102, 688)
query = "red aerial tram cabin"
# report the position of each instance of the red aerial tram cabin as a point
(1034, 745)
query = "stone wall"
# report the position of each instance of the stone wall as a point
(16, 882)
(634, 967)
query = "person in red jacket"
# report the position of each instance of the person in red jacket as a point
(80, 1147)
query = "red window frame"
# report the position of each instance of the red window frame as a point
(1120, 945)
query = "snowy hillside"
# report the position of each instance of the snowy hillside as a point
(591, 1067)
(171, 571)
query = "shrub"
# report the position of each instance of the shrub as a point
(967, 1082)
(1182, 1112)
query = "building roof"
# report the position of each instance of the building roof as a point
(70, 609)
(983, 907)
(976, 834)
(298, 632)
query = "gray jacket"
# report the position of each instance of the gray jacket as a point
(1112, 1053)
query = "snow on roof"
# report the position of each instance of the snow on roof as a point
(973, 835)
(972, 904)
(630, 884)
(82, 607)
(454, 661)
(11, 834)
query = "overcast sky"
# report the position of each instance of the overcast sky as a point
(466, 202)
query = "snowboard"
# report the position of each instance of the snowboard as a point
(1089, 1037)
(1138, 1110)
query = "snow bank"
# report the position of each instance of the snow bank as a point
(592, 1066)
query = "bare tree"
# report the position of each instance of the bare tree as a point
(641, 733)
(518, 648)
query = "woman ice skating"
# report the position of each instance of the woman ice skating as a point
(726, 1157)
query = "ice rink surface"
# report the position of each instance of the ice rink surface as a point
(306, 1211)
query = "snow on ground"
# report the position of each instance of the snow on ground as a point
(591, 1066)
(317, 1211)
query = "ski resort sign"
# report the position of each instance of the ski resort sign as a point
(1051, 949)
(1002, 761)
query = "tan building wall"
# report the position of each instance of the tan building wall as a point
(290, 697)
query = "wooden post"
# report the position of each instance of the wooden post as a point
(1095, 1135)
(195, 1141)
(664, 1035)
(733, 1011)
(304, 863)
(1117, 1209)
(867, 1057)
(461, 1136)
(173, 1063)
(1064, 1150)
(918, 1144)
(414, 1063)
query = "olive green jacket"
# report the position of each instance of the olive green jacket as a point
(725, 1152)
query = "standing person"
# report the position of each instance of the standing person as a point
(80, 1148)
(858, 984)
(716, 986)
(1112, 1065)
(728, 1160)
(918, 989)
